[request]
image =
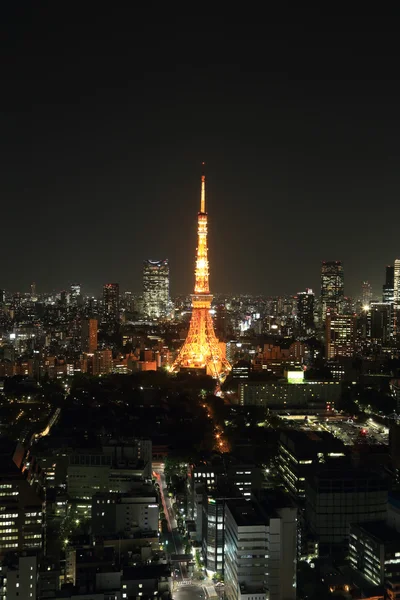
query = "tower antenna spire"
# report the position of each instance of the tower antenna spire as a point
(203, 189)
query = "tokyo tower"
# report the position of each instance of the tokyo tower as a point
(201, 349)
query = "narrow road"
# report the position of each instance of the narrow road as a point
(175, 544)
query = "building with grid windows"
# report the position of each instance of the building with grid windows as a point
(156, 301)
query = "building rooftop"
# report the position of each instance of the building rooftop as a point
(311, 442)
(247, 513)
(146, 572)
(380, 531)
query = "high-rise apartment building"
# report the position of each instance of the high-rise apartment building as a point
(156, 288)
(89, 336)
(388, 286)
(340, 335)
(305, 312)
(111, 301)
(260, 550)
(332, 287)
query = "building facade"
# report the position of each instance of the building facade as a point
(22, 509)
(299, 452)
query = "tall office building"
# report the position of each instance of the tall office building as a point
(396, 282)
(89, 336)
(33, 292)
(111, 301)
(75, 294)
(156, 288)
(388, 286)
(380, 328)
(366, 295)
(332, 287)
(340, 335)
(305, 312)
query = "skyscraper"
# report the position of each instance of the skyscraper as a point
(366, 296)
(111, 301)
(340, 335)
(75, 294)
(388, 286)
(396, 283)
(201, 349)
(380, 317)
(156, 288)
(305, 312)
(332, 287)
(89, 336)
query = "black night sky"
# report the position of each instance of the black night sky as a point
(105, 121)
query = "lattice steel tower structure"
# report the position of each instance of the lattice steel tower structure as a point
(201, 349)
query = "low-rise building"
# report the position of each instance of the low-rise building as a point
(125, 513)
(286, 394)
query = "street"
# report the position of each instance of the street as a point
(173, 537)
(189, 592)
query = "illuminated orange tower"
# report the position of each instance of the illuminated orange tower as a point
(201, 349)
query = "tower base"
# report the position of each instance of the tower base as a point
(201, 350)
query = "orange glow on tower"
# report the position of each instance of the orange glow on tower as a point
(201, 349)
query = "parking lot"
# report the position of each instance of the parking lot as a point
(348, 430)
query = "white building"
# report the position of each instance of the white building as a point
(260, 551)
(111, 468)
(125, 513)
(20, 582)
